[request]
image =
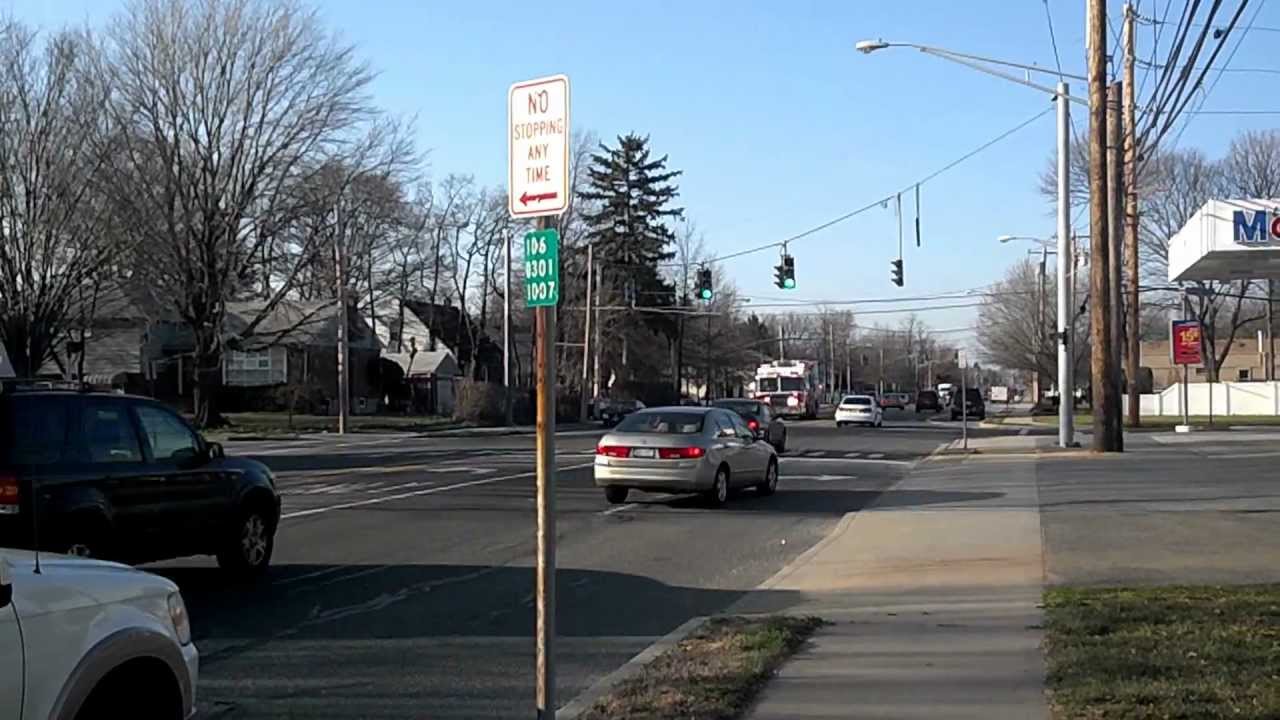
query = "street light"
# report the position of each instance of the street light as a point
(1062, 95)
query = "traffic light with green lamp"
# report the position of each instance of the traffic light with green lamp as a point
(785, 273)
(897, 272)
(705, 290)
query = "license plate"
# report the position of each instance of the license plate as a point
(644, 453)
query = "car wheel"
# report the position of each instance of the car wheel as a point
(86, 537)
(616, 495)
(718, 495)
(839, 424)
(247, 553)
(781, 447)
(770, 484)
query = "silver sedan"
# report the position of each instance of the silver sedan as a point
(684, 449)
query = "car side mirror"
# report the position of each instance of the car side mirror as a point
(215, 451)
(6, 584)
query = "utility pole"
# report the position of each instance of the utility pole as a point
(1134, 354)
(586, 336)
(782, 342)
(1099, 288)
(507, 409)
(1115, 246)
(595, 358)
(344, 345)
(1066, 277)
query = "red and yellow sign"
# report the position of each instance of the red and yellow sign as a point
(1184, 340)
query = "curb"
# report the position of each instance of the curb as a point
(585, 699)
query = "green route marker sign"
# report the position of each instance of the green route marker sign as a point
(541, 268)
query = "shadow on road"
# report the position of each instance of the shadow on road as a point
(829, 502)
(364, 602)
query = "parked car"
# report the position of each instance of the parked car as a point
(681, 449)
(612, 411)
(859, 410)
(899, 401)
(760, 419)
(91, 639)
(977, 409)
(928, 400)
(126, 478)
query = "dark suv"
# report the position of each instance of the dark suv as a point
(977, 408)
(126, 478)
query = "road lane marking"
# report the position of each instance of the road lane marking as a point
(637, 505)
(418, 493)
(875, 456)
(789, 460)
(854, 455)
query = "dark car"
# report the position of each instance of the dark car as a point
(976, 409)
(612, 411)
(125, 478)
(760, 419)
(928, 400)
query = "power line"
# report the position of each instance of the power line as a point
(879, 202)
(1053, 39)
(1215, 28)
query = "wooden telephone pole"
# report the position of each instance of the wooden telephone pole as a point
(1133, 356)
(1100, 353)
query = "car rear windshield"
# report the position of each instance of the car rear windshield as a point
(742, 407)
(33, 430)
(856, 400)
(927, 395)
(663, 423)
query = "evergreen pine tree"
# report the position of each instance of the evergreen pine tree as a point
(632, 195)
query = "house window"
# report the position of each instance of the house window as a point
(1243, 374)
(256, 368)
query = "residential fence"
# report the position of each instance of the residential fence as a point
(1222, 398)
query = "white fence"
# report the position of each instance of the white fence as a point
(1228, 398)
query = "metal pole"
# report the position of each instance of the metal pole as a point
(964, 401)
(707, 350)
(344, 358)
(595, 357)
(1269, 372)
(1099, 237)
(545, 320)
(1134, 353)
(1041, 320)
(1115, 246)
(586, 336)
(507, 409)
(1186, 389)
(1066, 275)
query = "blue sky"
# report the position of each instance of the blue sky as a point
(776, 122)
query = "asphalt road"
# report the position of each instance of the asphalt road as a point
(402, 584)
(1171, 509)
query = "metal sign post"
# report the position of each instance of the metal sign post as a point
(538, 155)
(964, 402)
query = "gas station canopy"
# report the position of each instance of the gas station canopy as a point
(1228, 240)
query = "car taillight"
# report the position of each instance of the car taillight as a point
(753, 424)
(684, 453)
(617, 451)
(9, 495)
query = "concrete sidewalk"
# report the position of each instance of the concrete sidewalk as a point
(934, 597)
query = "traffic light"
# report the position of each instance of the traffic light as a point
(897, 272)
(785, 273)
(705, 291)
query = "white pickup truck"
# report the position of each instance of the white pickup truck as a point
(84, 639)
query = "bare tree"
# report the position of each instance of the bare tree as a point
(220, 106)
(53, 238)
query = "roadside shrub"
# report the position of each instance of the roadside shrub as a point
(479, 403)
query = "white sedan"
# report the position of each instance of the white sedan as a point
(859, 410)
(84, 638)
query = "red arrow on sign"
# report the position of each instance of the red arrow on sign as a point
(526, 198)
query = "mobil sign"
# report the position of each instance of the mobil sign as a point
(1255, 228)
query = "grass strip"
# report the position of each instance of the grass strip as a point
(713, 674)
(1164, 652)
